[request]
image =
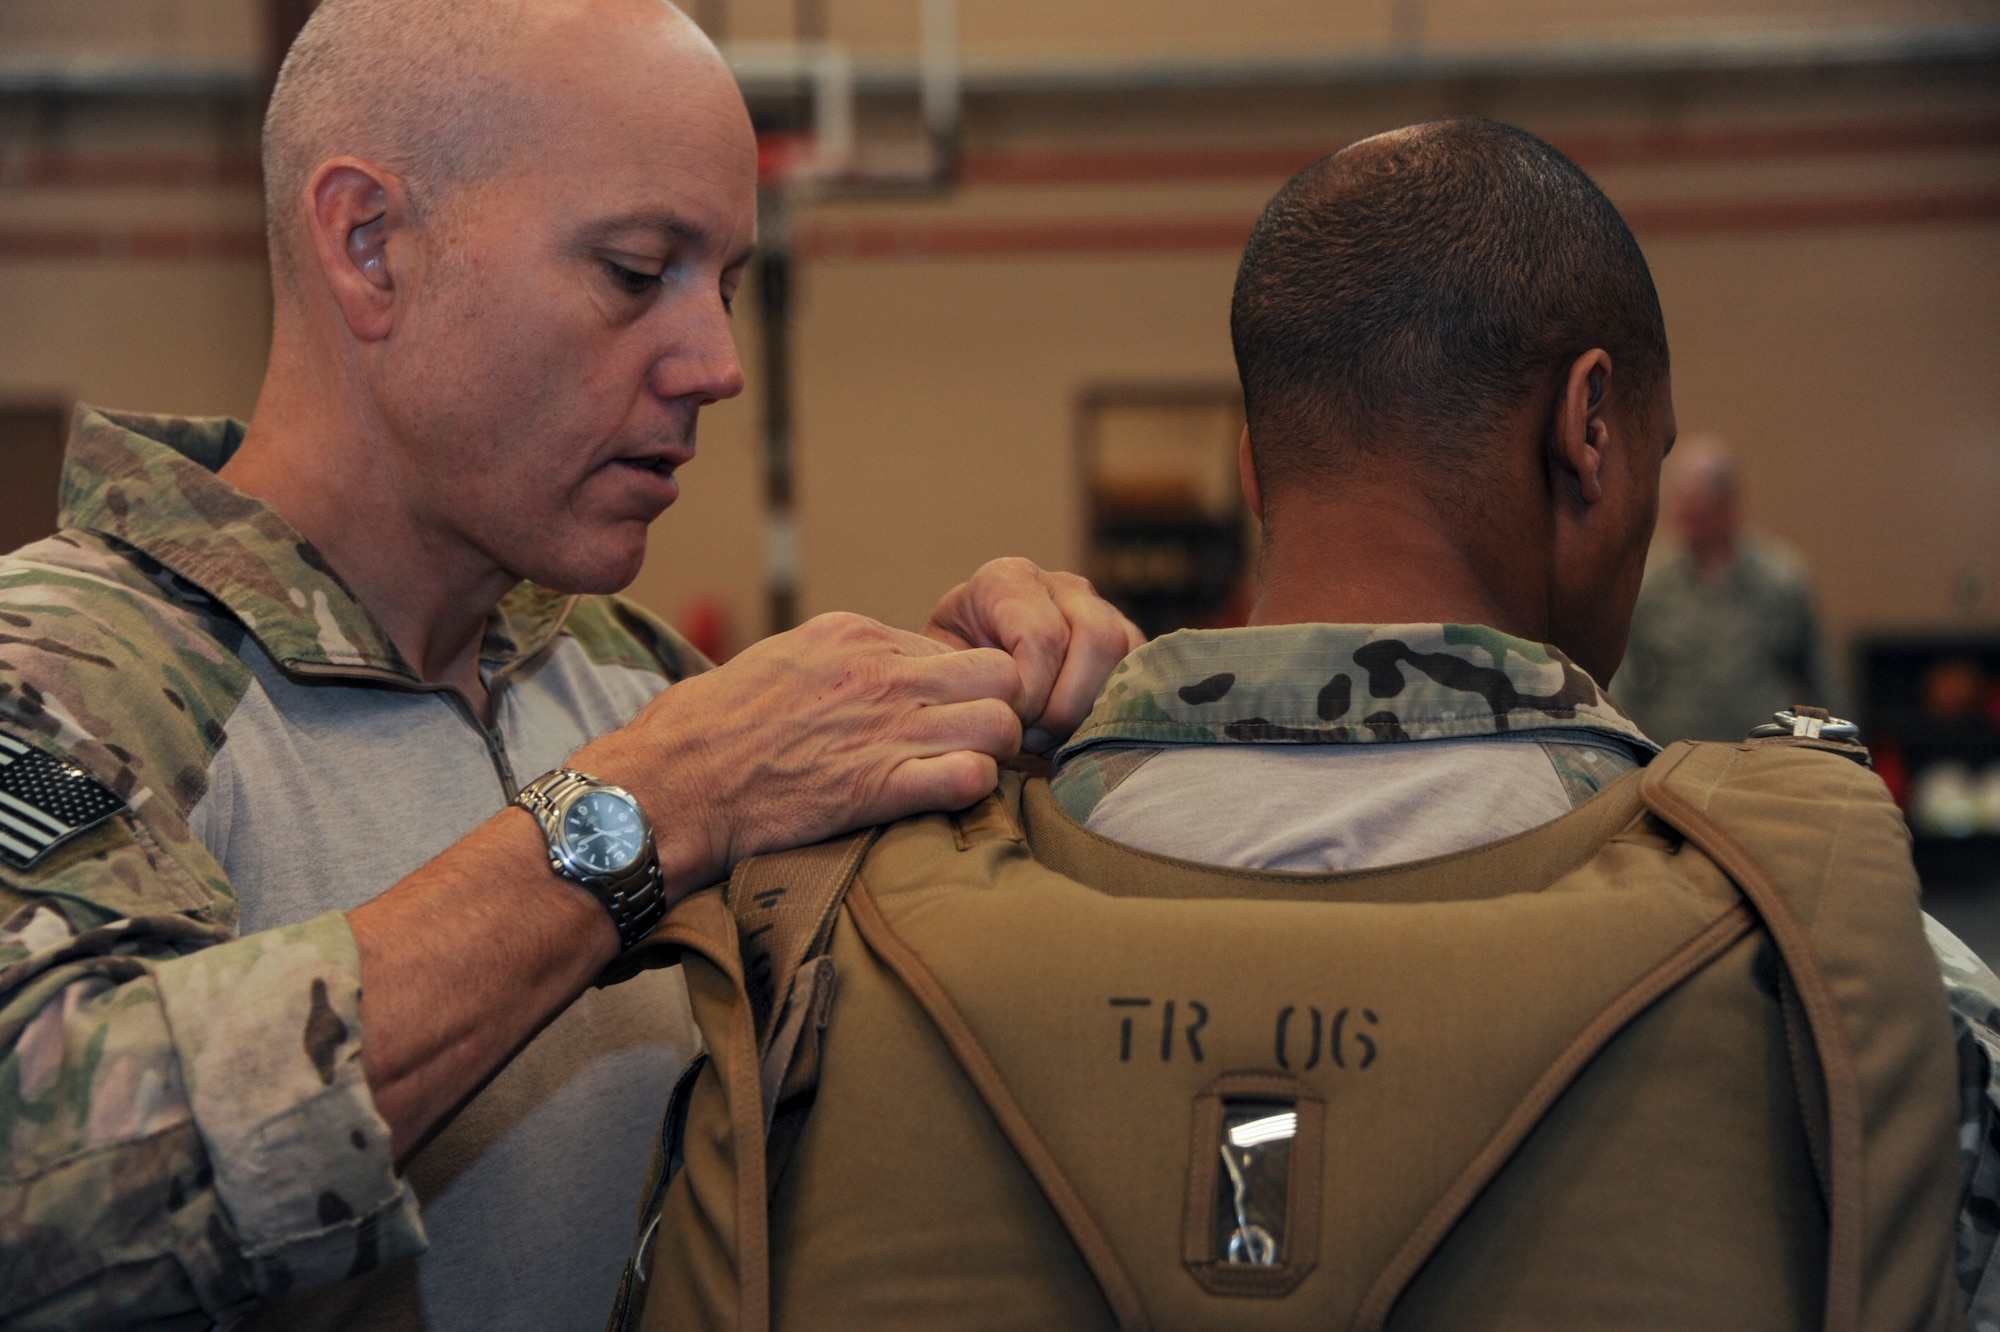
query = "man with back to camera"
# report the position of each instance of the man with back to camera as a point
(267, 673)
(1456, 381)
(1725, 630)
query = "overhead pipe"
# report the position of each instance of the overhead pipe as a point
(830, 167)
(113, 74)
(1411, 59)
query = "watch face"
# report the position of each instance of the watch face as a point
(602, 833)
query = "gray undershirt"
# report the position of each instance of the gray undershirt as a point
(326, 794)
(1332, 807)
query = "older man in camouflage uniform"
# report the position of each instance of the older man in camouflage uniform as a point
(1454, 446)
(270, 927)
(1726, 629)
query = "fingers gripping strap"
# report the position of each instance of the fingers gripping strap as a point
(1120, 1292)
(1689, 958)
(1822, 1014)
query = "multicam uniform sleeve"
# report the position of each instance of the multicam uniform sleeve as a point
(184, 1119)
(1974, 992)
(184, 1125)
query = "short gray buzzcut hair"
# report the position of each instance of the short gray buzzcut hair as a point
(412, 85)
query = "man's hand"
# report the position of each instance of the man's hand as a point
(837, 724)
(1063, 637)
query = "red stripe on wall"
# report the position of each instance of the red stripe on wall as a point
(1060, 166)
(148, 243)
(1057, 166)
(1070, 166)
(1721, 216)
(1775, 142)
(915, 240)
(918, 240)
(158, 173)
(910, 240)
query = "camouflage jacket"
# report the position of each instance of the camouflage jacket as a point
(1346, 684)
(186, 1128)
(1369, 684)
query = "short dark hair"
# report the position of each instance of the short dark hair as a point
(1418, 286)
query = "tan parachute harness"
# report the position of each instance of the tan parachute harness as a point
(768, 933)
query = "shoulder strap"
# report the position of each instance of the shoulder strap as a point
(1672, 801)
(785, 906)
(702, 925)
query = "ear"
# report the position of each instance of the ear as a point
(1246, 472)
(355, 210)
(1580, 434)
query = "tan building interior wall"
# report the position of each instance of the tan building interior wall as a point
(1854, 370)
(186, 337)
(1852, 361)
(210, 30)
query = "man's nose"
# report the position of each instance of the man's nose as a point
(703, 361)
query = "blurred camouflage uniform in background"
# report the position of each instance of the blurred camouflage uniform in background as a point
(1711, 657)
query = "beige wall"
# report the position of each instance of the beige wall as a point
(224, 30)
(1120, 29)
(1852, 361)
(941, 398)
(1853, 368)
(1855, 372)
(185, 337)
(196, 30)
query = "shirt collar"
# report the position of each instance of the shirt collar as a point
(150, 484)
(1349, 684)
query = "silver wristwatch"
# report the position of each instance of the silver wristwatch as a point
(598, 837)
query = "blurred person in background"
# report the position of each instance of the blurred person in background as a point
(1726, 631)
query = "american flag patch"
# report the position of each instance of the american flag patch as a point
(45, 802)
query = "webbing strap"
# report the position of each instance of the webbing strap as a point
(702, 924)
(785, 906)
(1807, 1084)
(1822, 1013)
(1120, 1292)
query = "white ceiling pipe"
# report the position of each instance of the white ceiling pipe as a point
(939, 89)
(1064, 72)
(775, 68)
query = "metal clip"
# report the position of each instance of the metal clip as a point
(1808, 724)
(1242, 1156)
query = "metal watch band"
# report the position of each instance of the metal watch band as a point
(636, 902)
